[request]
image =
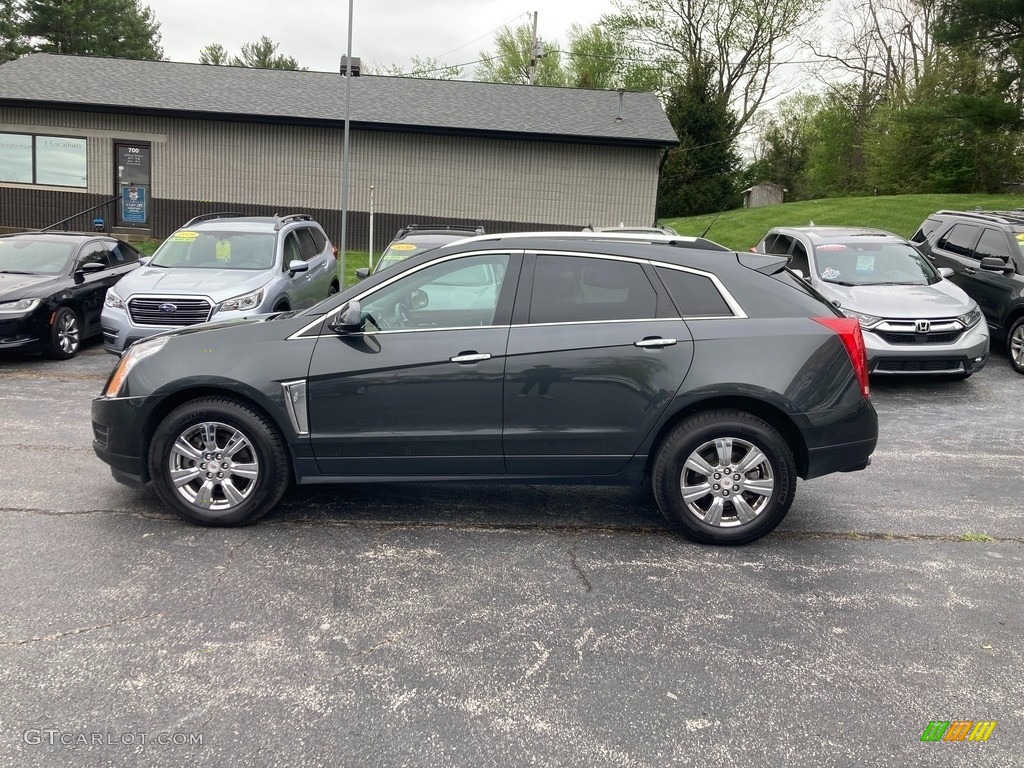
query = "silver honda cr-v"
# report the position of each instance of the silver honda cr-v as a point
(914, 320)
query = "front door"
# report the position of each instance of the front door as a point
(419, 391)
(133, 184)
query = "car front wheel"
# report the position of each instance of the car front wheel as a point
(724, 477)
(65, 334)
(1015, 345)
(218, 462)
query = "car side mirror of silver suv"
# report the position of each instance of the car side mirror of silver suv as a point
(297, 265)
(946, 272)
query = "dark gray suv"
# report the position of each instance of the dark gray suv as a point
(716, 378)
(984, 250)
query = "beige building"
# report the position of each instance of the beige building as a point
(155, 143)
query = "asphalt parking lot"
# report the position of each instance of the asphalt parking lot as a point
(448, 625)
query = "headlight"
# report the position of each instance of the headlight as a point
(971, 319)
(135, 354)
(113, 300)
(19, 307)
(866, 321)
(248, 301)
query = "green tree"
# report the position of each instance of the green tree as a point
(428, 68)
(993, 29)
(510, 63)
(836, 164)
(595, 58)
(215, 54)
(12, 42)
(120, 28)
(262, 54)
(699, 175)
(783, 144)
(745, 42)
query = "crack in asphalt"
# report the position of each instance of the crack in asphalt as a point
(223, 570)
(108, 625)
(575, 563)
(385, 527)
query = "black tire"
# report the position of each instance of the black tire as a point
(281, 306)
(1015, 345)
(714, 516)
(65, 335)
(252, 477)
(333, 289)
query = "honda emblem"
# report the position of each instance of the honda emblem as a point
(922, 326)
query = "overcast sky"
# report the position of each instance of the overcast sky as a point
(384, 32)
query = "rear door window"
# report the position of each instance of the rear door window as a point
(694, 295)
(960, 240)
(307, 245)
(570, 289)
(993, 243)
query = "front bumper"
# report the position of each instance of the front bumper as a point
(967, 355)
(23, 331)
(119, 332)
(119, 439)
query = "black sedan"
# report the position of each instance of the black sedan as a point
(718, 378)
(52, 286)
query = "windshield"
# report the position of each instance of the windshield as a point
(34, 256)
(1020, 241)
(872, 263)
(216, 250)
(398, 252)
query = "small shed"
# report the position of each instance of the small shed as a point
(765, 193)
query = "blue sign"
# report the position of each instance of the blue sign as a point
(134, 207)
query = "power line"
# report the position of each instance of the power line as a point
(488, 34)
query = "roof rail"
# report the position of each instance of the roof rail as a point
(469, 228)
(675, 241)
(211, 216)
(1002, 217)
(290, 217)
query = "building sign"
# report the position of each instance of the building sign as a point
(134, 207)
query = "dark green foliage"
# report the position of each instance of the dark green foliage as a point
(12, 41)
(699, 175)
(121, 28)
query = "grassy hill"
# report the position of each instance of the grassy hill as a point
(741, 229)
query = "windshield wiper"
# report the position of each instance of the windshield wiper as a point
(16, 272)
(840, 282)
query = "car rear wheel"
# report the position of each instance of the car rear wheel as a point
(65, 334)
(1015, 345)
(218, 462)
(724, 477)
(333, 289)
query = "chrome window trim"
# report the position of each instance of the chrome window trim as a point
(733, 305)
(327, 319)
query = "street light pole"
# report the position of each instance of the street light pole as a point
(345, 158)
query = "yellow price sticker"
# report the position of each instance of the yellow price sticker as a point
(403, 247)
(185, 237)
(223, 250)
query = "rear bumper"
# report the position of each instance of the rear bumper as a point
(840, 440)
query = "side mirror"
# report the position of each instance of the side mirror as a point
(946, 272)
(800, 273)
(995, 264)
(297, 265)
(144, 261)
(362, 273)
(419, 299)
(89, 268)
(349, 319)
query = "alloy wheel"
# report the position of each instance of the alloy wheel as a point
(213, 466)
(727, 482)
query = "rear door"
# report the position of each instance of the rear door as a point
(595, 354)
(995, 292)
(313, 249)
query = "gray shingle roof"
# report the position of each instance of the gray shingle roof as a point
(161, 87)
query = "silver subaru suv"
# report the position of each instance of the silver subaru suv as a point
(222, 266)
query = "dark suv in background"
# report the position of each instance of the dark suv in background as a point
(417, 238)
(984, 250)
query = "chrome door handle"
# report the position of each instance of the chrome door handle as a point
(470, 357)
(969, 271)
(654, 343)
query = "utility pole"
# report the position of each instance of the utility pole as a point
(533, 51)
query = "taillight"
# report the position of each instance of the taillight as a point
(849, 331)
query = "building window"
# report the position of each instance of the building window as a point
(57, 161)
